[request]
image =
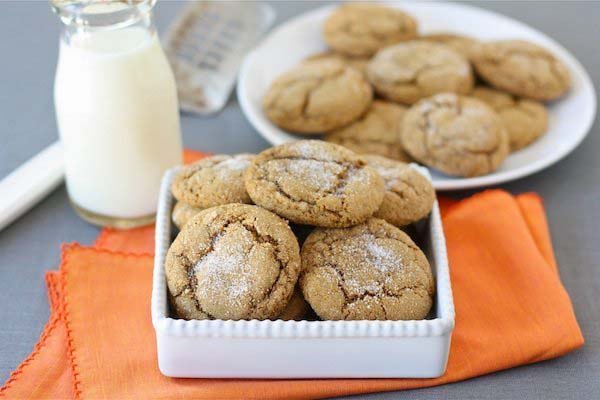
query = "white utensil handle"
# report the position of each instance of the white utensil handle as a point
(31, 182)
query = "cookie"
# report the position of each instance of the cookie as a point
(372, 271)
(297, 308)
(213, 181)
(358, 63)
(360, 29)
(463, 45)
(376, 132)
(458, 135)
(525, 120)
(409, 195)
(523, 69)
(317, 97)
(410, 71)
(312, 182)
(235, 261)
(182, 213)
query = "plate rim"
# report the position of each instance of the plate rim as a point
(449, 183)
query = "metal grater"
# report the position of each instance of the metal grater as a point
(206, 45)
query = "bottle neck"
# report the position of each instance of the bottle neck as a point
(86, 17)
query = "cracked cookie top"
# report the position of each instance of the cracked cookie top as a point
(317, 96)
(376, 132)
(409, 71)
(466, 46)
(315, 183)
(523, 69)
(232, 262)
(367, 272)
(458, 135)
(525, 120)
(213, 181)
(409, 196)
(360, 29)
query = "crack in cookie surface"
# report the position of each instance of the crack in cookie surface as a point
(371, 266)
(523, 69)
(362, 29)
(455, 134)
(213, 181)
(322, 184)
(317, 96)
(411, 70)
(234, 262)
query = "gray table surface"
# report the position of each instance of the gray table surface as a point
(571, 189)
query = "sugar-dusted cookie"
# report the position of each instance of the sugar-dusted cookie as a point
(523, 69)
(316, 183)
(457, 135)
(410, 71)
(376, 132)
(213, 181)
(317, 97)
(525, 120)
(372, 271)
(232, 262)
(360, 29)
(182, 213)
(409, 195)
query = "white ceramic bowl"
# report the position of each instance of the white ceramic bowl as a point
(302, 349)
(570, 118)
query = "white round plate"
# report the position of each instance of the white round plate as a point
(570, 117)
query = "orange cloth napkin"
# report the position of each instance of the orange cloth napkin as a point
(511, 310)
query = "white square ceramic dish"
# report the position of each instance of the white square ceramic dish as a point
(302, 349)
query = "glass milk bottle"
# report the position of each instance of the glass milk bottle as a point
(116, 109)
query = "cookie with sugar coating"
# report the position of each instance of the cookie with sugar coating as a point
(235, 261)
(409, 195)
(457, 135)
(316, 183)
(213, 181)
(361, 29)
(317, 96)
(372, 271)
(376, 132)
(522, 68)
(410, 71)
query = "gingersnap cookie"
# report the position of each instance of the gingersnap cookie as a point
(466, 46)
(525, 120)
(366, 272)
(182, 213)
(410, 71)
(297, 308)
(457, 135)
(376, 132)
(213, 181)
(358, 63)
(235, 261)
(317, 96)
(360, 29)
(409, 196)
(316, 183)
(523, 69)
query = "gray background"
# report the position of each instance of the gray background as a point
(28, 52)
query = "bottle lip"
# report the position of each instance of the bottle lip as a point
(101, 13)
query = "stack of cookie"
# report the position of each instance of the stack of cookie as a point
(236, 260)
(380, 70)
